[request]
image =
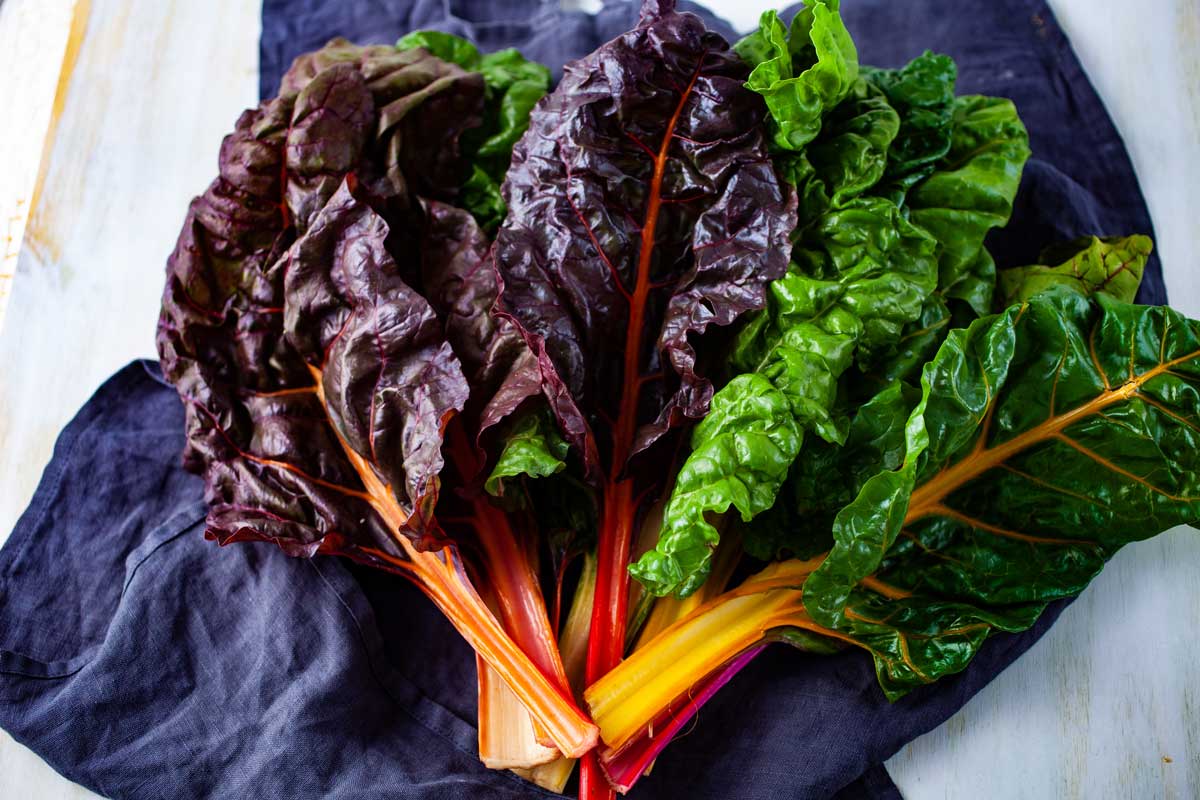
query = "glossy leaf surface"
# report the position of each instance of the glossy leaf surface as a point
(971, 191)
(801, 72)
(881, 268)
(860, 288)
(1089, 265)
(1046, 438)
(282, 269)
(643, 209)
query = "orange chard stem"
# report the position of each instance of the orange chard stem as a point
(443, 578)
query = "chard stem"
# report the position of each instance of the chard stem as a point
(627, 700)
(443, 577)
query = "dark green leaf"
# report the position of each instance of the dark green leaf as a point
(829, 476)
(923, 94)
(970, 192)
(1047, 437)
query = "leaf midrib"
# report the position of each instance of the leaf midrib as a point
(927, 498)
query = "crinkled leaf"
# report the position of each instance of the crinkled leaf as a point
(514, 86)
(461, 285)
(284, 268)
(917, 343)
(829, 476)
(801, 72)
(389, 379)
(1047, 437)
(533, 447)
(851, 152)
(740, 454)
(970, 192)
(642, 209)
(1088, 265)
(922, 93)
(862, 273)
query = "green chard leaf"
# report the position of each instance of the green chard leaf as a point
(801, 73)
(1046, 438)
(514, 85)
(1088, 266)
(898, 183)
(970, 192)
(829, 476)
(922, 93)
(532, 446)
(862, 273)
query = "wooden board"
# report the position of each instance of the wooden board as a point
(1093, 711)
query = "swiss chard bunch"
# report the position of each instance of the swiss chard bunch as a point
(436, 319)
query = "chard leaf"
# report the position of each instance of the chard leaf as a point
(514, 85)
(741, 452)
(532, 447)
(446, 46)
(851, 152)
(970, 192)
(461, 285)
(1088, 265)
(284, 251)
(801, 72)
(1046, 438)
(637, 219)
(862, 273)
(922, 92)
(917, 343)
(829, 476)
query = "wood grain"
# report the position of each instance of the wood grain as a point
(154, 87)
(1092, 711)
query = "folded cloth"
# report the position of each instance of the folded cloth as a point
(142, 662)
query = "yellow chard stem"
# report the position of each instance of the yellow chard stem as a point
(669, 610)
(626, 700)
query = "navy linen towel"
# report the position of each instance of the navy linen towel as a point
(142, 662)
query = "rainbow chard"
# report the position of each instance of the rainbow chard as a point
(883, 240)
(643, 209)
(322, 376)
(1042, 440)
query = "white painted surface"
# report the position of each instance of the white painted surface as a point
(1091, 712)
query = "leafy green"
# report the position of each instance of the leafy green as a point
(751, 425)
(970, 192)
(801, 72)
(532, 446)
(898, 182)
(1088, 265)
(792, 356)
(514, 86)
(851, 152)
(922, 93)
(1046, 437)
(829, 476)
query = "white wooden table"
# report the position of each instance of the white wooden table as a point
(112, 113)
